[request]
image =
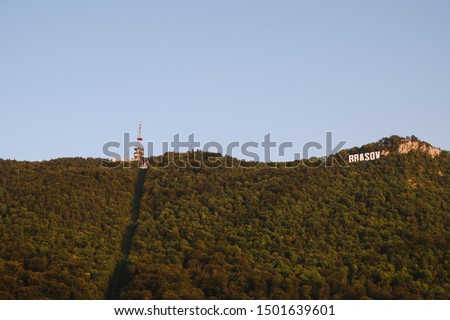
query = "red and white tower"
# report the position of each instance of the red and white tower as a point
(139, 150)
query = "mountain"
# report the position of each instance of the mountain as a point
(377, 229)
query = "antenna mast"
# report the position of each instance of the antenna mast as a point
(139, 138)
(139, 150)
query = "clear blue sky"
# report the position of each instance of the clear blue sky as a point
(76, 74)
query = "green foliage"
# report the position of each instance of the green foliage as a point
(61, 224)
(377, 229)
(373, 230)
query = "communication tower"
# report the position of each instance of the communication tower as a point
(139, 149)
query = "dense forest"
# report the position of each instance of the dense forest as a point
(61, 227)
(71, 229)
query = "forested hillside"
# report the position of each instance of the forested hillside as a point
(376, 229)
(61, 227)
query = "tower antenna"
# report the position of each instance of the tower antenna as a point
(139, 149)
(139, 138)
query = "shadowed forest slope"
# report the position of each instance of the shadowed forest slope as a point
(120, 275)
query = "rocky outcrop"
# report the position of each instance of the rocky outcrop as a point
(408, 145)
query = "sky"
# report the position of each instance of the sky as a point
(75, 75)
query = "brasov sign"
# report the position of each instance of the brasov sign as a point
(364, 156)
